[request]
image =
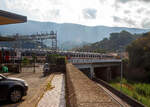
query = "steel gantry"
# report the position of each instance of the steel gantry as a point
(37, 37)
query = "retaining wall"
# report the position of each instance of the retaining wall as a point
(83, 92)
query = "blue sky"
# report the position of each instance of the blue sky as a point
(124, 13)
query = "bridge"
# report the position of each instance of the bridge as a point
(68, 54)
(92, 67)
(105, 66)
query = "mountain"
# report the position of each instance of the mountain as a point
(116, 42)
(23, 44)
(66, 31)
(68, 45)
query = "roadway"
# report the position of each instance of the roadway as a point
(34, 81)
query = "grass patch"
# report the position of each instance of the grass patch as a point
(138, 91)
(49, 86)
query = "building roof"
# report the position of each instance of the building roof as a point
(11, 18)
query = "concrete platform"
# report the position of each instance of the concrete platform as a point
(56, 96)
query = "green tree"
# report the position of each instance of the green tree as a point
(139, 52)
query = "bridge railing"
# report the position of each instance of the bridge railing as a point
(82, 60)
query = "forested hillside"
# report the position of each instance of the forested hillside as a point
(139, 52)
(116, 42)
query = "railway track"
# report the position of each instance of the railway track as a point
(120, 98)
(114, 97)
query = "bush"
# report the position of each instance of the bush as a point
(61, 60)
(126, 91)
(125, 60)
(118, 79)
(25, 61)
(135, 96)
(143, 89)
(140, 92)
(56, 59)
(124, 81)
(52, 58)
(144, 101)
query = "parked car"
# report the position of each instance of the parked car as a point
(46, 69)
(12, 89)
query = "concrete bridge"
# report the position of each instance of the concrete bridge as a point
(93, 64)
(105, 66)
(105, 69)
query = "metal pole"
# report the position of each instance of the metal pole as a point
(121, 74)
(34, 65)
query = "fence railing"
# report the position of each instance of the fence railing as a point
(92, 60)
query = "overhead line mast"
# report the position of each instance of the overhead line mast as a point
(39, 37)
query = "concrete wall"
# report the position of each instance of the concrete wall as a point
(83, 92)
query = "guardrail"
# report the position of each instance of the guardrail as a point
(90, 60)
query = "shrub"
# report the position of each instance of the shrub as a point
(61, 60)
(125, 60)
(118, 79)
(124, 81)
(135, 96)
(25, 61)
(126, 91)
(52, 58)
(145, 101)
(143, 89)
(56, 59)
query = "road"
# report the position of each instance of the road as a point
(34, 81)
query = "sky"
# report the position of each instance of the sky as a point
(118, 13)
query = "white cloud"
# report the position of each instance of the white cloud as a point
(89, 13)
(131, 12)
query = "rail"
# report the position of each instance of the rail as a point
(127, 99)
